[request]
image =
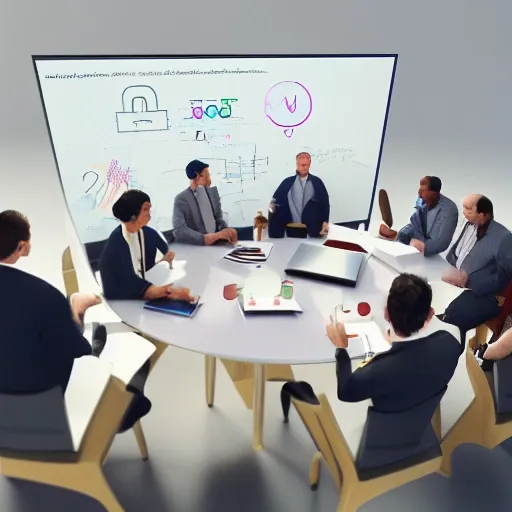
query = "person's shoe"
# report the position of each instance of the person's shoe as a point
(99, 339)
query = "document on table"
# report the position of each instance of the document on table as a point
(368, 340)
(443, 294)
(263, 292)
(250, 252)
(162, 274)
(343, 234)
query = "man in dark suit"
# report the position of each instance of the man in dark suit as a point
(300, 199)
(40, 331)
(482, 263)
(422, 359)
(197, 215)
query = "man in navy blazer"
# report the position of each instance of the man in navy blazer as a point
(40, 330)
(302, 199)
(482, 262)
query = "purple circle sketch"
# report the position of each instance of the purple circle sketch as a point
(288, 105)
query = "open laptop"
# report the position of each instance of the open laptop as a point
(326, 264)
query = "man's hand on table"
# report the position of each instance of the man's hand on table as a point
(418, 244)
(169, 258)
(456, 278)
(180, 294)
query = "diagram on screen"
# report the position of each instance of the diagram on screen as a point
(288, 105)
(140, 111)
(104, 185)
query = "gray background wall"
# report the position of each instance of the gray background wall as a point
(451, 110)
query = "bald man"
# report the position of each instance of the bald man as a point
(433, 224)
(482, 262)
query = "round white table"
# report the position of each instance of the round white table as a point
(219, 330)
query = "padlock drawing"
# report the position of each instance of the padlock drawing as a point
(140, 111)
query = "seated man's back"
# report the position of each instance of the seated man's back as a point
(411, 372)
(422, 359)
(39, 339)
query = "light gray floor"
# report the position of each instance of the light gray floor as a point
(201, 460)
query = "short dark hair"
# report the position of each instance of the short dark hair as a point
(434, 183)
(195, 168)
(14, 228)
(484, 205)
(409, 302)
(129, 205)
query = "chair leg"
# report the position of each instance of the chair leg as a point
(210, 374)
(285, 403)
(83, 477)
(98, 488)
(314, 471)
(141, 440)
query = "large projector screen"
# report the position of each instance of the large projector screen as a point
(135, 122)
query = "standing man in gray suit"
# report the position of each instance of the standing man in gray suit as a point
(433, 223)
(197, 215)
(482, 263)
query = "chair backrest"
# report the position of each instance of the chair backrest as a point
(168, 236)
(93, 251)
(385, 208)
(393, 436)
(33, 426)
(69, 273)
(319, 419)
(482, 390)
(503, 385)
(505, 310)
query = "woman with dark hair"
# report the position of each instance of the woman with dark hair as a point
(131, 251)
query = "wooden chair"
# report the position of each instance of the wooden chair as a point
(71, 286)
(64, 440)
(395, 449)
(488, 420)
(496, 324)
(385, 230)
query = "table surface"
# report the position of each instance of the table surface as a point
(219, 329)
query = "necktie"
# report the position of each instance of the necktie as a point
(205, 209)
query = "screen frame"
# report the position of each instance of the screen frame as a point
(353, 224)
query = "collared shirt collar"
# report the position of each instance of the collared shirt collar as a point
(430, 328)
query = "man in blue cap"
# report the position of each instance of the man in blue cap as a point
(197, 215)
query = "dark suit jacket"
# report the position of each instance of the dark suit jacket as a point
(118, 277)
(315, 212)
(489, 263)
(39, 340)
(411, 372)
(187, 221)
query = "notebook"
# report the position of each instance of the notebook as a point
(174, 307)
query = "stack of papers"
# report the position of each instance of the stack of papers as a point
(250, 252)
(396, 255)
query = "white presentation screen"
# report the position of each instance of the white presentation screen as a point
(135, 122)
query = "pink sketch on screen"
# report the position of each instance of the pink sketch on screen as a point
(118, 181)
(288, 105)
